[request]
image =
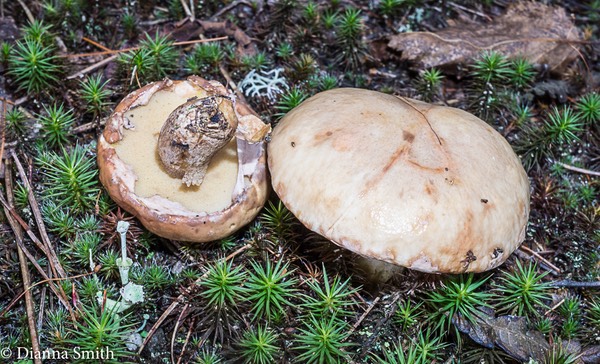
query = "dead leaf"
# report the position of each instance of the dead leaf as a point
(246, 45)
(591, 355)
(190, 30)
(571, 347)
(542, 34)
(509, 333)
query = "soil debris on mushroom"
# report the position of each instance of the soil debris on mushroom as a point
(193, 133)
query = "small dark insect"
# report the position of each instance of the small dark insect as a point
(497, 252)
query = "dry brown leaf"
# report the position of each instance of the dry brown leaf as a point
(591, 355)
(542, 34)
(510, 333)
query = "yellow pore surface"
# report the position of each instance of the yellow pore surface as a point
(138, 148)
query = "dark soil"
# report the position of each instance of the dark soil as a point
(564, 228)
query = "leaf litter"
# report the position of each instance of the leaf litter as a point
(512, 335)
(540, 33)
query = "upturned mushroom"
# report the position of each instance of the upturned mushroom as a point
(427, 187)
(186, 158)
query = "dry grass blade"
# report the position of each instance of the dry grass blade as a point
(16, 223)
(175, 330)
(29, 305)
(115, 54)
(28, 13)
(35, 208)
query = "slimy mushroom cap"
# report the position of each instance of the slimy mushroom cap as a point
(427, 187)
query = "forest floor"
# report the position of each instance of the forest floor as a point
(275, 292)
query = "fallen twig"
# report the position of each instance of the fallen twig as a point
(159, 322)
(151, 23)
(42, 310)
(232, 255)
(186, 342)
(364, 315)
(84, 127)
(118, 51)
(94, 43)
(189, 12)
(232, 84)
(11, 211)
(579, 170)
(486, 17)
(229, 7)
(531, 252)
(575, 284)
(115, 54)
(175, 329)
(2, 130)
(21, 100)
(521, 254)
(92, 67)
(554, 307)
(380, 323)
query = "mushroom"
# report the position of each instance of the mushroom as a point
(186, 158)
(427, 187)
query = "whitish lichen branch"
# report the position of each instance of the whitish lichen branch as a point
(264, 83)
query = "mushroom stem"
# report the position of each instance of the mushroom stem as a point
(123, 263)
(122, 227)
(193, 133)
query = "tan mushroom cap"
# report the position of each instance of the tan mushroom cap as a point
(427, 187)
(235, 187)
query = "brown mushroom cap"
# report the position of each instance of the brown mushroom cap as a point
(235, 186)
(427, 187)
